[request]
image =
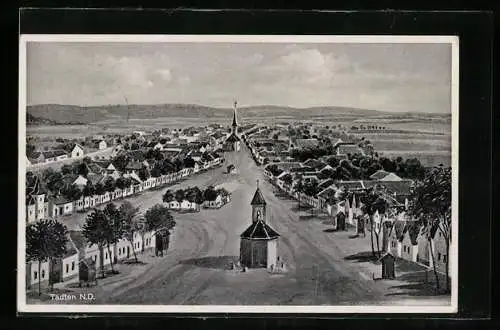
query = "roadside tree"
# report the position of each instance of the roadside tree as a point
(45, 241)
(159, 220)
(431, 202)
(131, 223)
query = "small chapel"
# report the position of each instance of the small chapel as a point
(259, 242)
(232, 142)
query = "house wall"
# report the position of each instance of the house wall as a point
(174, 205)
(32, 269)
(31, 213)
(67, 208)
(137, 242)
(149, 240)
(272, 253)
(409, 251)
(70, 267)
(395, 245)
(440, 254)
(108, 256)
(245, 252)
(40, 206)
(77, 152)
(79, 204)
(121, 249)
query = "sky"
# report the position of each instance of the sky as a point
(387, 77)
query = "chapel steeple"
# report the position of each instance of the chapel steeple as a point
(258, 206)
(235, 122)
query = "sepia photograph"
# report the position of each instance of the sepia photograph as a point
(238, 173)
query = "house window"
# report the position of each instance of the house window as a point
(444, 257)
(43, 273)
(35, 275)
(73, 265)
(119, 251)
(67, 268)
(439, 256)
(106, 256)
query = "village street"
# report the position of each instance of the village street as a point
(203, 244)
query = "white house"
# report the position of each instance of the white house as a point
(80, 181)
(174, 205)
(59, 206)
(213, 204)
(438, 242)
(67, 267)
(187, 205)
(410, 244)
(37, 204)
(123, 250)
(35, 274)
(79, 204)
(77, 151)
(99, 144)
(158, 146)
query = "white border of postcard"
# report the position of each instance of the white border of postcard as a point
(58, 308)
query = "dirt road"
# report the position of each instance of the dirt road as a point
(202, 245)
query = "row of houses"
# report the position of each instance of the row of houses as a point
(71, 150)
(82, 257)
(396, 233)
(265, 150)
(222, 198)
(41, 205)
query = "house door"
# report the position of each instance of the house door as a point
(259, 255)
(55, 271)
(128, 252)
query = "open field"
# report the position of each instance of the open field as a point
(427, 158)
(432, 148)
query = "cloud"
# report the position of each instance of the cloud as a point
(165, 74)
(308, 67)
(387, 78)
(184, 80)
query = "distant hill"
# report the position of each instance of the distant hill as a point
(76, 114)
(33, 120)
(36, 120)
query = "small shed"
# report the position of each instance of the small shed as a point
(388, 261)
(341, 221)
(360, 226)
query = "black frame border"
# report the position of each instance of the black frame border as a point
(475, 31)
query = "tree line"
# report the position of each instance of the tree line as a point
(191, 194)
(361, 167)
